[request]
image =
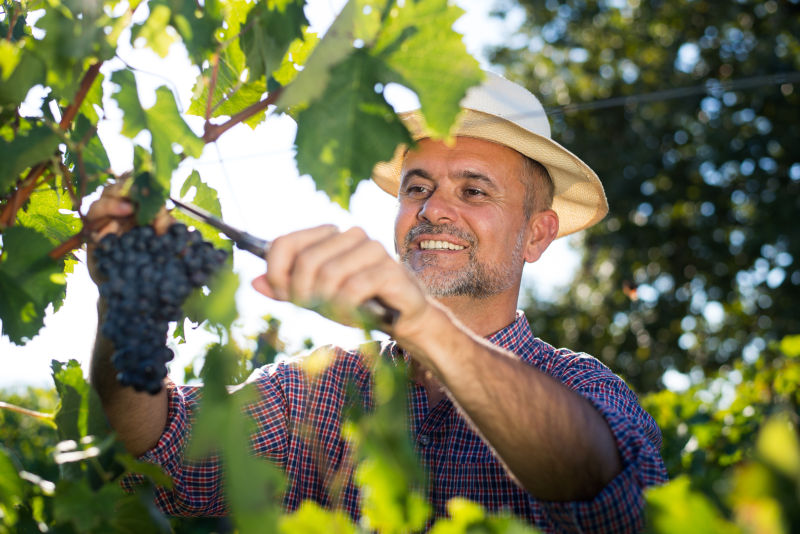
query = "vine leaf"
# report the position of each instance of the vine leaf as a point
(253, 487)
(155, 31)
(358, 20)
(29, 71)
(49, 213)
(231, 94)
(95, 164)
(24, 151)
(675, 507)
(296, 56)
(79, 411)
(196, 24)
(417, 52)
(29, 281)
(10, 54)
(167, 128)
(271, 29)
(311, 518)
(218, 307)
(12, 487)
(341, 137)
(205, 197)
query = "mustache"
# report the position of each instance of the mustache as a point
(425, 227)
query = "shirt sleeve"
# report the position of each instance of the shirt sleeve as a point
(197, 484)
(618, 507)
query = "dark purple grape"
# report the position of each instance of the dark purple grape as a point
(148, 278)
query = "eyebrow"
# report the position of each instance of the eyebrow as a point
(465, 174)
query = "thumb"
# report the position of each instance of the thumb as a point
(261, 285)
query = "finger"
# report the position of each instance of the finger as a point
(109, 206)
(283, 253)
(261, 285)
(304, 287)
(337, 269)
(386, 281)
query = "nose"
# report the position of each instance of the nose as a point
(437, 208)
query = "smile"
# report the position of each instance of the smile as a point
(430, 244)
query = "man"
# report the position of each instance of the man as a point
(498, 416)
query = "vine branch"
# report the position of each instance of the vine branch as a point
(212, 132)
(25, 411)
(29, 183)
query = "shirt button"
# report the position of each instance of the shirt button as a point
(424, 440)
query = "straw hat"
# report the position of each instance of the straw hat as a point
(503, 112)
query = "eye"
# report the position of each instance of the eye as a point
(416, 190)
(473, 192)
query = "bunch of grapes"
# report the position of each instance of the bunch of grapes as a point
(147, 278)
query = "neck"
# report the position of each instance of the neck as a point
(484, 316)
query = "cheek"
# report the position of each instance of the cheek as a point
(403, 222)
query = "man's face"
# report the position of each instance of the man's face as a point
(460, 226)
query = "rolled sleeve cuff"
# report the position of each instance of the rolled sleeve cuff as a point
(617, 508)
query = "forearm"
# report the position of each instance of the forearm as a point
(550, 438)
(138, 418)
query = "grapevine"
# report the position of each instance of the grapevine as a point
(147, 278)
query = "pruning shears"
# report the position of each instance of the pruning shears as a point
(373, 309)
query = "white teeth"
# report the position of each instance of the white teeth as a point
(438, 245)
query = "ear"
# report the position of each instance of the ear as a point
(542, 230)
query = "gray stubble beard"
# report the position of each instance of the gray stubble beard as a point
(476, 280)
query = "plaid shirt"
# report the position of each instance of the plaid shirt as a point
(458, 461)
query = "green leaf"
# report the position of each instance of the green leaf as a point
(359, 19)
(152, 471)
(387, 504)
(204, 197)
(36, 145)
(138, 513)
(296, 56)
(167, 128)
(75, 503)
(10, 54)
(429, 60)
(155, 31)
(231, 93)
(93, 165)
(790, 346)
(674, 507)
(12, 488)
(149, 195)
(779, 446)
(219, 306)
(73, 391)
(271, 28)
(253, 487)
(50, 213)
(197, 25)
(311, 518)
(29, 281)
(30, 70)
(467, 516)
(341, 137)
(92, 100)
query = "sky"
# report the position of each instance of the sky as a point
(260, 190)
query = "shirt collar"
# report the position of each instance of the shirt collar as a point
(512, 338)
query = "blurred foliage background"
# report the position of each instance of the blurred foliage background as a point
(696, 266)
(688, 111)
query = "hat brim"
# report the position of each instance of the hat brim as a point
(578, 196)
